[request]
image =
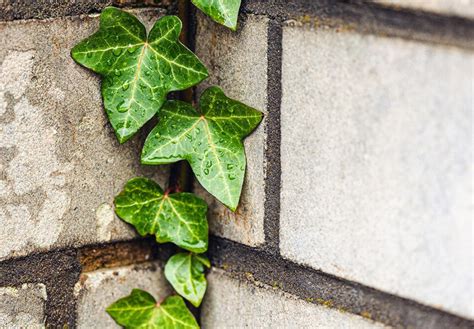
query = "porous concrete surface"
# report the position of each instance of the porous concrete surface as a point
(377, 163)
(443, 7)
(61, 165)
(237, 62)
(230, 303)
(22, 307)
(97, 290)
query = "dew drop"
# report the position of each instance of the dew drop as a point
(231, 177)
(89, 55)
(117, 72)
(117, 52)
(230, 166)
(125, 86)
(120, 108)
(206, 171)
(131, 50)
(208, 164)
(166, 69)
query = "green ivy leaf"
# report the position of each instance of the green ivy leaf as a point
(224, 12)
(140, 310)
(138, 71)
(210, 140)
(179, 217)
(185, 272)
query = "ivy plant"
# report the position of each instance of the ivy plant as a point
(224, 12)
(178, 217)
(141, 310)
(209, 139)
(138, 70)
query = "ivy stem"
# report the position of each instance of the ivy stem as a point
(181, 176)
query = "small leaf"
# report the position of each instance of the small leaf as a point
(224, 12)
(140, 310)
(179, 218)
(211, 141)
(185, 272)
(138, 71)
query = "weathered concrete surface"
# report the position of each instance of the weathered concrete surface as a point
(61, 165)
(22, 307)
(444, 7)
(377, 163)
(230, 303)
(97, 290)
(237, 62)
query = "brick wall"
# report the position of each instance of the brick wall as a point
(357, 205)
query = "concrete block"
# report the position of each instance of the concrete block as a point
(230, 303)
(443, 7)
(377, 163)
(23, 307)
(95, 291)
(237, 62)
(61, 164)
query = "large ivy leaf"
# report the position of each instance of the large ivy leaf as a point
(210, 140)
(185, 272)
(179, 217)
(140, 310)
(138, 70)
(224, 12)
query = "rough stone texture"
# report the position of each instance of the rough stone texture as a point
(377, 163)
(22, 307)
(444, 7)
(230, 303)
(97, 290)
(61, 164)
(237, 62)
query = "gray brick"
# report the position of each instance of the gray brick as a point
(233, 304)
(377, 163)
(61, 165)
(95, 291)
(22, 307)
(237, 62)
(444, 7)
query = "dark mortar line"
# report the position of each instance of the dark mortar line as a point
(370, 18)
(273, 139)
(59, 271)
(314, 286)
(43, 9)
(123, 253)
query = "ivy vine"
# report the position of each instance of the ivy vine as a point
(138, 71)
